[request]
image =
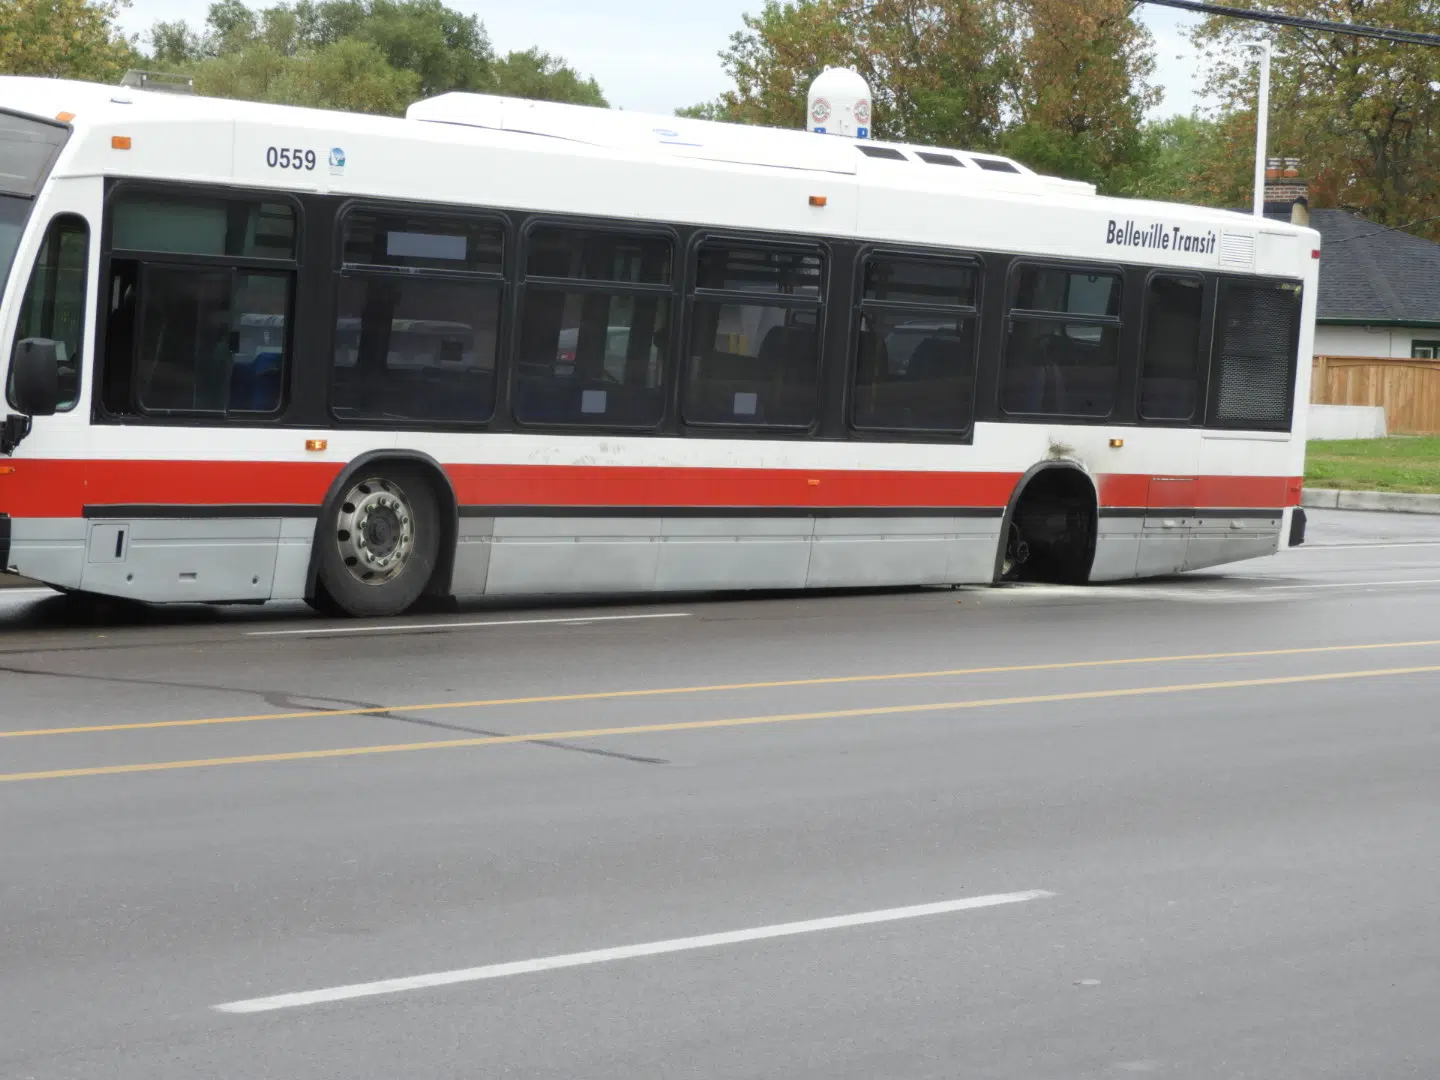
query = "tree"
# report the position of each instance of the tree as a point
(351, 75)
(540, 76)
(1061, 84)
(1171, 162)
(1083, 89)
(68, 39)
(1361, 114)
(373, 56)
(445, 49)
(936, 68)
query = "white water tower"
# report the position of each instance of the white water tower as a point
(839, 104)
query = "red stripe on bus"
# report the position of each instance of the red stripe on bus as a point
(62, 488)
(1239, 492)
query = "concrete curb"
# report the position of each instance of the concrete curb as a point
(10, 581)
(1397, 502)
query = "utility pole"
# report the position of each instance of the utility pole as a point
(1262, 126)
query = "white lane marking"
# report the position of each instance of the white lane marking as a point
(399, 628)
(623, 952)
(1352, 584)
(26, 591)
(1200, 590)
(1363, 546)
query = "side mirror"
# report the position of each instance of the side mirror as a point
(35, 376)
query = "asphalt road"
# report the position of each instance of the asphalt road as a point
(1182, 829)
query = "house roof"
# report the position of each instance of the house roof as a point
(1371, 275)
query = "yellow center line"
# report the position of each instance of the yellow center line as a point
(699, 725)
(603, 695)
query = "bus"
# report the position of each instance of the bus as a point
(254, 352)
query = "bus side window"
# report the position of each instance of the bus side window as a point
(754, 343)
(1170, 356)
(54, 305)
(198, 305)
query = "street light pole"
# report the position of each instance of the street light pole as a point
(1262, 126)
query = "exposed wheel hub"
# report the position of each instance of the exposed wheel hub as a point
(375, 531)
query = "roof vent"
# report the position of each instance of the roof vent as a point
(158, 81)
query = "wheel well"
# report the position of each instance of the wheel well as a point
(1049, 529)
(439, 584)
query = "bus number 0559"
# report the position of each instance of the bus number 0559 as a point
(278, 158)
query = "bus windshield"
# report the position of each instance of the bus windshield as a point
(13, 212)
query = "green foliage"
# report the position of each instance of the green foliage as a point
(375, 56)
(66, 39)
(1060, 84)
(937, 70)
(1361, 115)
(538, 75)
(1172, 159)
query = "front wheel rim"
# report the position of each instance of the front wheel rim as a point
(375, 531)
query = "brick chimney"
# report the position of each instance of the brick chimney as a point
(1284, 187)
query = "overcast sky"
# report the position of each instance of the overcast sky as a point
(659, 55)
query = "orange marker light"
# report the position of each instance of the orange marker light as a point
(1115, 444)
(6, 470)
(64, 117)
(119, 142)
(316, 445)
(818, 200)
(813, 483)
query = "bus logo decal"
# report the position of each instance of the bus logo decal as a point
(337, 160)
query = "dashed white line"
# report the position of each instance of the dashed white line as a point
(402, 628)
(1341, 546)
(623, 952)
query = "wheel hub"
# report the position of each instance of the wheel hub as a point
(375, 532)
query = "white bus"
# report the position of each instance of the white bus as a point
(254, 352)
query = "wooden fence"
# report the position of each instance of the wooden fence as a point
(1409, 389)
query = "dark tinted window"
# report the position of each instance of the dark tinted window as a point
(756, 269)
(915, 373)
(752, 364)
(1170, 359)
(995, 165)
(417, 318)
(423, 242)
(1257, 341)
(754, 361)
(883, 152)
(186, 225)
(54, 305)
(210, 340)
(1070, 292)
(931, 158)
(595, 352)
(1062, 343)
(409, 348)
(920, 282)
(594, 255)
(592, 358)
(915, 353)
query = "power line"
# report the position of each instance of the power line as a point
(1383, 231)
(1402, 37)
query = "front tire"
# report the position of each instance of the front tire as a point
(379, 543)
